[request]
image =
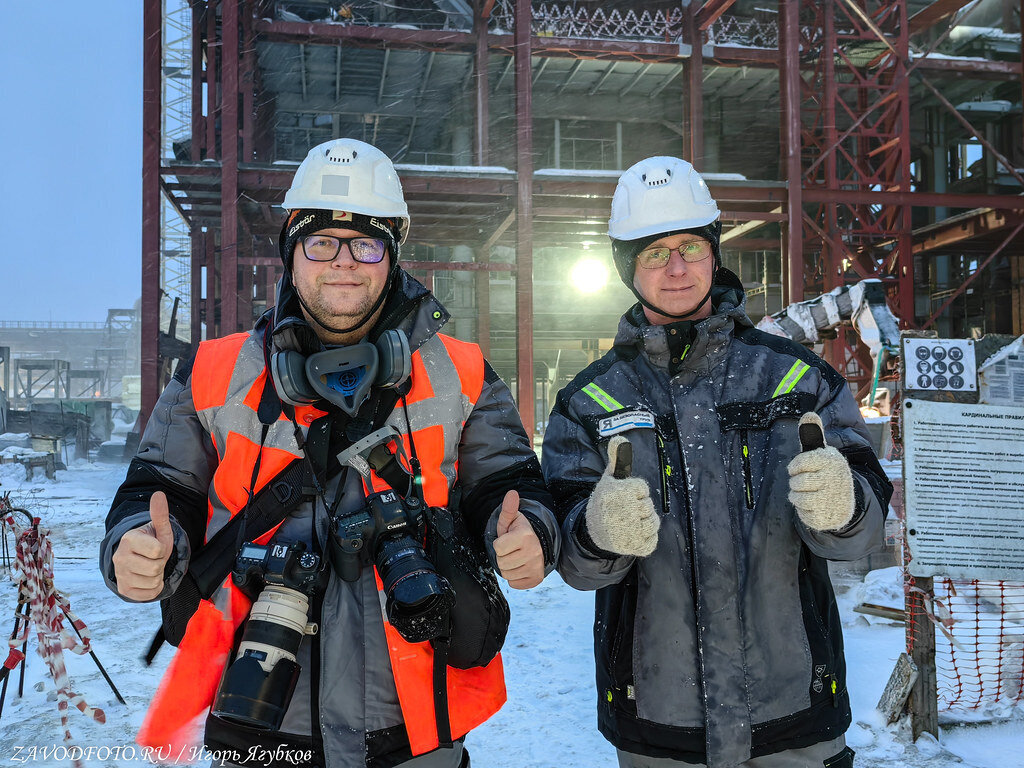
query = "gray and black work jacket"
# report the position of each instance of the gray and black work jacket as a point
(345, 709)
(725, 643)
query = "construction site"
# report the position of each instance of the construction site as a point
(896, 156)
(867, 157)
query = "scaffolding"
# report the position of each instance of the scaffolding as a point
(888, 130)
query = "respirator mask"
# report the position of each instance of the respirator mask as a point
(342, 376)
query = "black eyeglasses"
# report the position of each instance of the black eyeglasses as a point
(690, 252)
(365, 250)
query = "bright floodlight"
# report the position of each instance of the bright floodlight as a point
(589, 275)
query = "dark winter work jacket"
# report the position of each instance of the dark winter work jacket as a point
(368, 691)
(725, 643)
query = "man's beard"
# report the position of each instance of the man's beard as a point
(344, 327)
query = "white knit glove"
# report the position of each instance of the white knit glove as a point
(820, 480)
(620, 516)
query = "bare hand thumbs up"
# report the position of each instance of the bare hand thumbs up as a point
(517, 550)
(143, 553)
(509, 512)
(160, 522)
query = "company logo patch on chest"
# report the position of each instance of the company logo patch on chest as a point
(620, 422)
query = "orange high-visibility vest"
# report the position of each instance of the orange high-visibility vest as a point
(228, 378)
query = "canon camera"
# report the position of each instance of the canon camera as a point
(259, 683)
(387, 533)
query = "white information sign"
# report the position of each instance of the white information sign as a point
(940, 364)
(964, 487)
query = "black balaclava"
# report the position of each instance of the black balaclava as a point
(624, 253)
(306, 221)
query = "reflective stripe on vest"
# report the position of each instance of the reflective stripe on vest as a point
(227, 382)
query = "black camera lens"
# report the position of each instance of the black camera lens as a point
(418, 598)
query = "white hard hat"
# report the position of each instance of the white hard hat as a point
(349, 175)
(660, 194)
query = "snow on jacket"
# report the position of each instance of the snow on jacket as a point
(346, 684)
(734, 651)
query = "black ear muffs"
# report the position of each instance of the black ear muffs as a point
(395, 358)
(288, 370)
(343, 375)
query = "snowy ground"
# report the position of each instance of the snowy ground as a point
(549, 721)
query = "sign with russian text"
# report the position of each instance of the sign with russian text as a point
(964, 490)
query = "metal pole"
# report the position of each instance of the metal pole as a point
(229, 167)
(524, 216)
(695, 97)
(99, 666)
(482, 98)
(789, 72)
(904, 266)
(197, 146)
(152, 23)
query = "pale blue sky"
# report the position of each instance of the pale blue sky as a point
(70, 180)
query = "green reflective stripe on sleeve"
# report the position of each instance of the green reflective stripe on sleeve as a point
(790, 380)
(603, 399)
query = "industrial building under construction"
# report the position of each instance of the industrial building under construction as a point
(843, 140)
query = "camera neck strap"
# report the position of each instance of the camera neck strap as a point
(370, 452)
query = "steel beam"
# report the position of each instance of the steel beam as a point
(461, 266)
(601, 80)
(524, 217)
(446, 40)
(229, 167)
(903, 268)
(939, 40)
(248, 83)
(661, 86)
(196, 238)
(973, 131)
(481, 62)
(963, 228)
(198, 18)
(694, 98)
(931, 15)
(789, 43)
(152, 61)
(981, 268)
(636, 79)
(867, 197)
(213, 51)
(383, 77)
(485, 249)
(569, 78)
(710, 12)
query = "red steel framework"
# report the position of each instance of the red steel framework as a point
(852, 102)
(844, 147)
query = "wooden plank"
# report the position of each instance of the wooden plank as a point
(885, 611)
(898, 688)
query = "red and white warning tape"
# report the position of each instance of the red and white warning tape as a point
(46, 611)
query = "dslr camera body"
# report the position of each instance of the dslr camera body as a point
(388, 533)
(258, 685)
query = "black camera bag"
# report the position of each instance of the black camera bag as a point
(480, 616)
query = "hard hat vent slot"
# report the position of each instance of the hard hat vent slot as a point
(341, 155)
(658, 178)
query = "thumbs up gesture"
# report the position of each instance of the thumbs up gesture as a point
(517, 549)
(820, 480)
(143, 552)
(620, 516)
